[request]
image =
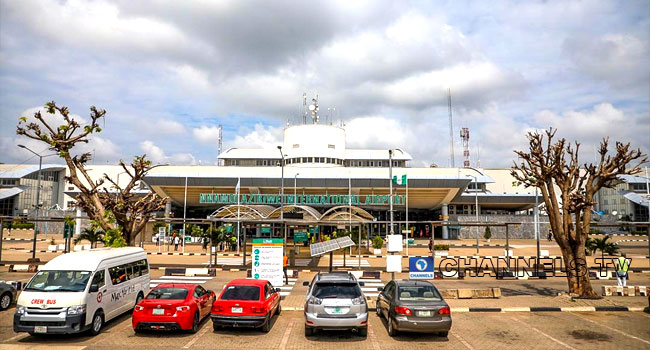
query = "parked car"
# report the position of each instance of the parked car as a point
(81, 291)
(335, 301)
(413, 306)
(173, 306)
(246, 303)
(7, 295)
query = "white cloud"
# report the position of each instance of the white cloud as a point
(261, 137)
(168, 127)
(206, 134)
(157, 155)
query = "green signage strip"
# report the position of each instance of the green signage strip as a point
(322, 199)
(300, 236)
(268, 240)
(265, 229)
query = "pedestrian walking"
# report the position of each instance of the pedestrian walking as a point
(622, 266)
(177, 240)
(550, 235)
(430, 244)
(285, 260)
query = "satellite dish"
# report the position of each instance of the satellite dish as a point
(312, 107)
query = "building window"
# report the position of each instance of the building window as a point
(331, 146)
(295, 145)
(304, 160)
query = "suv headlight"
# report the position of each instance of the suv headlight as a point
(358, 301)
(77, 309)
(315, 301)
(20, 310)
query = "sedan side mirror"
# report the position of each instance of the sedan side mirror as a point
(277, 290)
(93, 288)
(208, 292)
(305, 283)
(381, 289)
(361, 284)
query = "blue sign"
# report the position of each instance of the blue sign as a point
(421, 268)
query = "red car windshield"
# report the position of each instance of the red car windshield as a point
(241, 293)
(168, 293)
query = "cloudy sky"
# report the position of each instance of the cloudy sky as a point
(168, 72)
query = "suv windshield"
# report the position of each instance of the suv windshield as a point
(336, 290)
(241, 293)
(418, 293)
(168, 293)
(59, 281)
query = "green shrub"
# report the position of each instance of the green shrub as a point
(24, 225)
(441, 247)
(377, 242)
(488, 233)
(114, 239)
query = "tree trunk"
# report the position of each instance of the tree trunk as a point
(578, 272)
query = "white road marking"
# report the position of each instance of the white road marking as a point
(373, 339)
(198, 335)
(461, 340)
(21, 335)
(542, 333)
(285, 337)
(612, 329)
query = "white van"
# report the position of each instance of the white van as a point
(81, 291)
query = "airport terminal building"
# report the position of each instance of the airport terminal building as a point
(326, 185)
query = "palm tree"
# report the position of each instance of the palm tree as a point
(92, 235)
(604, 246)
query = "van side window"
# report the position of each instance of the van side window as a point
(118, 274)
(132, 270)
(144, 267)
(98, 279)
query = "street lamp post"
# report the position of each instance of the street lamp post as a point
(38, 195)
(476, 208)
(390, 185)
(284, 246)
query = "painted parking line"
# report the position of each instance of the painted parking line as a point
(542, 333)
(461, 340)
(611, 328)
(285, 337)
(17, 337)
(198, 335)
(373, 338)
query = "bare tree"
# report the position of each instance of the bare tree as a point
(122, 209)
(568, 188)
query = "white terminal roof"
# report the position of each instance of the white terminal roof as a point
(17, 171)
(274, 153)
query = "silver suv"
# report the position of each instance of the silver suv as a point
(335, 301)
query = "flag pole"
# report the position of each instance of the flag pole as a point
(238, 206)
(407, 215)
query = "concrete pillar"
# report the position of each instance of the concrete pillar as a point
(445, 214)
(77, 226)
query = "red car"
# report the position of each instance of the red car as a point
(173, 306)
(246, 303)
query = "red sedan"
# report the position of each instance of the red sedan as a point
(246, 303)
(172, 306)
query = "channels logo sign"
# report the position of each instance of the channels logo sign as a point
(421, 268)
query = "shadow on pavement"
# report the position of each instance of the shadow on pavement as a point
(414, 337)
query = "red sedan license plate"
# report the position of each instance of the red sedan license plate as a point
(158, 312)
(237, 310)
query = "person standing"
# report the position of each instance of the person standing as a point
(285, 260)
(622, 266)
(176, 242)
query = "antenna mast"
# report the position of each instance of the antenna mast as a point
(451, 130)
(304, 108)
(464, 135)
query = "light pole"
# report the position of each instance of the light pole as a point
(475, 207)
(295, 191)
(38, 195)
(390, 185)
(284, 245)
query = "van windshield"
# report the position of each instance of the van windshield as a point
(59, 281)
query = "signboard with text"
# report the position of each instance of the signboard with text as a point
(267, 260)
(421, 268)
(315, 199)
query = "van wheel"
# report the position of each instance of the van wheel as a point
(97, 323)
(5, 301)
(195, 324)
(138, 299)
(378, 311)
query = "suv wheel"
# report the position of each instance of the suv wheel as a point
(309, 331)
(363, 332)
(378, 311)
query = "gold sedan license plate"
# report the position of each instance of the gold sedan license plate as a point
(424, 313)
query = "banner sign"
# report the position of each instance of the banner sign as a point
(421, 268)
(324, 199)
(300, 237)
(267, 260)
